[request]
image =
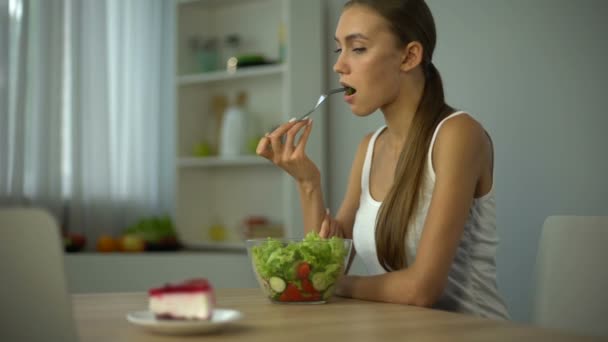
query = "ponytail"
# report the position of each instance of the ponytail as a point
(401, 203)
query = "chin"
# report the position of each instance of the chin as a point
(358, 111)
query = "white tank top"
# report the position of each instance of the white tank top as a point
(471, 286)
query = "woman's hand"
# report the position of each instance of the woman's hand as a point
(290, 155)
(330, 227)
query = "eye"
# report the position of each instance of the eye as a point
(337, 50)
(359, 50)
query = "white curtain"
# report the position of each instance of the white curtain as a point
(89, 126)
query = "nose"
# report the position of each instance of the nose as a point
(340, 67)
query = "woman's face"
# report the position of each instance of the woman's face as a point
(368, 59)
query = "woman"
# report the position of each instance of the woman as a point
(420, 202)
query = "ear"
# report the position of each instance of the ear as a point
(412, 56)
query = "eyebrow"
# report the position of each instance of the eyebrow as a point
(353, 36)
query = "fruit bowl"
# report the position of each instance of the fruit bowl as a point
(299, 271)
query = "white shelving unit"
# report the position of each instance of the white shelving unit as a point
(213, 190)
(245, 161)
(217, 76)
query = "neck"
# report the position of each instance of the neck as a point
(399, 114)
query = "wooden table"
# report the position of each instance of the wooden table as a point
(101, 317)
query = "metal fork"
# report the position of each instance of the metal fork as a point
(322, 99)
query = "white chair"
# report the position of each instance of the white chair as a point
(33, 291)
(572, 275)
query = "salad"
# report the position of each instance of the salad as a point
(303, 271)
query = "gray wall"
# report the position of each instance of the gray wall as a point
(533, 73)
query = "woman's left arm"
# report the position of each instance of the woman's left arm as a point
(458, 163)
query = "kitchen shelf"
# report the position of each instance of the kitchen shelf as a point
(213, 190)
(221, 162)
(246, 72)
(213, 3)
(234, 246)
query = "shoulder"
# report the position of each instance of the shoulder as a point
(460, 130)
(459, 138)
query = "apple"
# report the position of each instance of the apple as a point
(132, 243)
(167, 243)
(74, 242)
(202, 149)
(256, 220)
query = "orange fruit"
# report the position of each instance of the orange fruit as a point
(106, 243)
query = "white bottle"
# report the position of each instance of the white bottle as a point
(234, 130)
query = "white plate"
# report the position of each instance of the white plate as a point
(147, 321)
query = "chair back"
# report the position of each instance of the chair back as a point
(33, 292)
(572, 275)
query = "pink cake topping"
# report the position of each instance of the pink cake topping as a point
(188, 286)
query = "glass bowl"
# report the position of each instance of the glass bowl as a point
(299, 271)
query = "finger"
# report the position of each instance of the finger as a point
(275, 136)
(282, 129)
(304, 138)
(326, 224)
(291, 137)
(338, 230)
(275, 143)
(324, 229)
(333, 228)
(263, 148)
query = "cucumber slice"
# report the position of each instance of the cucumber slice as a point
(320, 281)
(277, 284)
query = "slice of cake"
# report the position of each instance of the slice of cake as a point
(192, 299)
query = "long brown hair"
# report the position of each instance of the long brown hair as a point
(410, 20)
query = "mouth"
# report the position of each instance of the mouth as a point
(349, 90)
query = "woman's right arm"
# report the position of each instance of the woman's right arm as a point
(316, 218)
(291, 157)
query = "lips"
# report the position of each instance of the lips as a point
(349, 90)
